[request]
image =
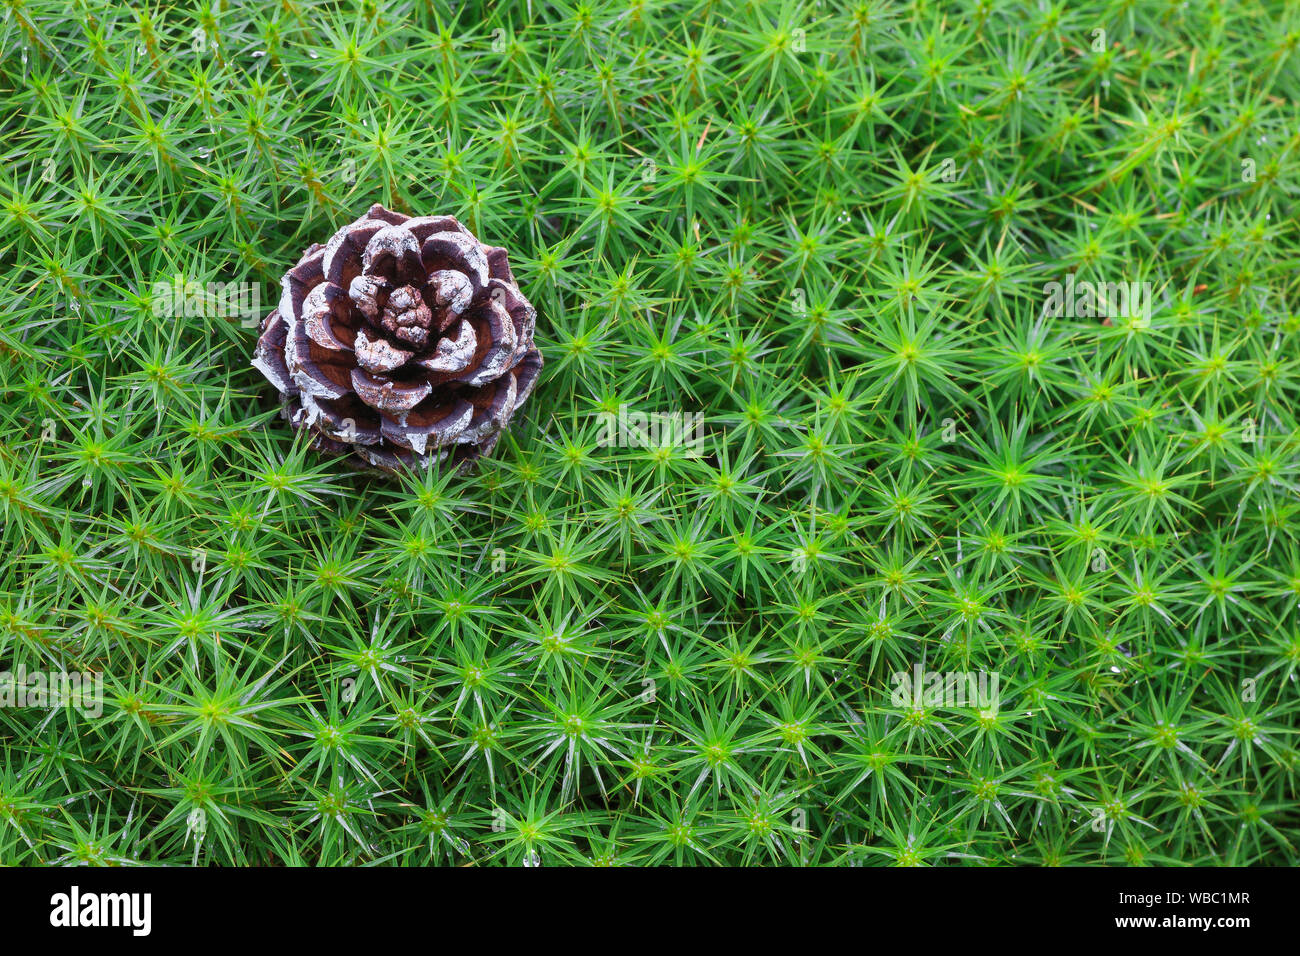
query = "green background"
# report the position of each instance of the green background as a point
(824, 227)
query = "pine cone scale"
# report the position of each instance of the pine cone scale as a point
(300, 280)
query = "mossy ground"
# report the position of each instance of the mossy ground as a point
(827, 229)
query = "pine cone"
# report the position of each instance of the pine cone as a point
(402, 341)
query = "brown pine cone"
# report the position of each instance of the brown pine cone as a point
(402, 341)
